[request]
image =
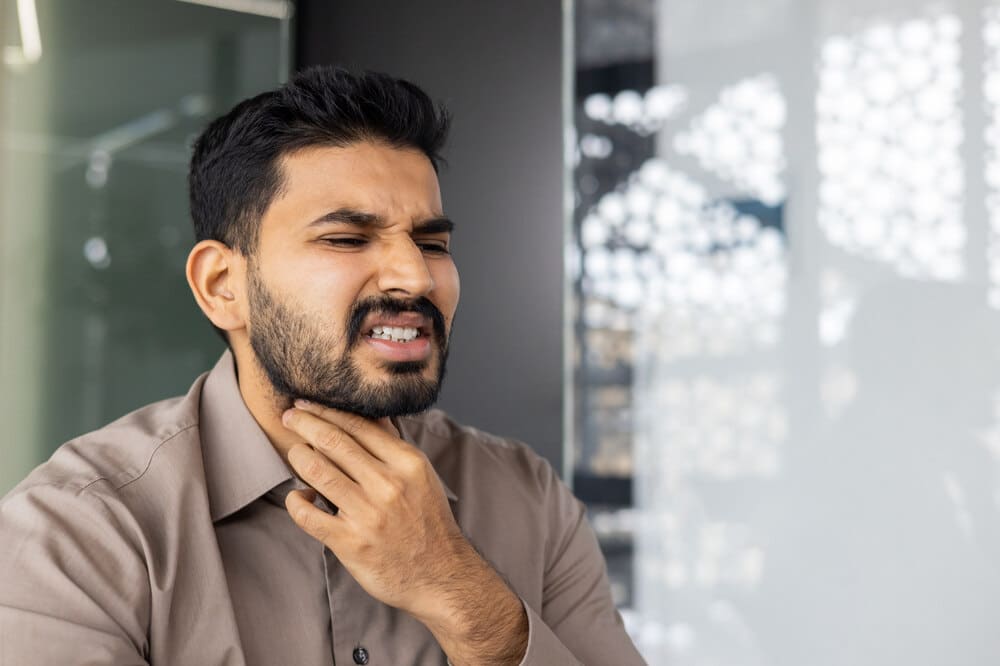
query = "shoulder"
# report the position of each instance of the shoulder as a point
(121, 453)
(92, 515)
(470, 455)
(438, 427)
(511, 502)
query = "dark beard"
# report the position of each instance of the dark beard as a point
(293, 352)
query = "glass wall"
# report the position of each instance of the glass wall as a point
(786, 384)
(99, 103)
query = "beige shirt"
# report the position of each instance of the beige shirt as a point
(162, 538)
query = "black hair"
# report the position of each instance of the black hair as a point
(235, 170)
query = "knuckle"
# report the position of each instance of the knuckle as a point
(414, 461)
(331, 440)
(303, 517)
(311, 523)
(393, 489)
(315, 469)
(331, 482)
(353, 424)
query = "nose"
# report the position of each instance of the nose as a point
(403, 270)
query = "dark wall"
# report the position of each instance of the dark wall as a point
(497, 65)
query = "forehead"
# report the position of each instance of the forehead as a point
(369, 177)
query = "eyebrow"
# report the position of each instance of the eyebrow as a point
(433, 225)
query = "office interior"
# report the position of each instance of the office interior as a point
(733, 268)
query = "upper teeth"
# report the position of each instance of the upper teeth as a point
(396, 333)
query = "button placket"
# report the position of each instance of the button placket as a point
(350, 613)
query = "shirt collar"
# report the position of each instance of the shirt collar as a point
(241, 465)
(240, 462)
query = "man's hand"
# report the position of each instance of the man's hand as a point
(395, 533)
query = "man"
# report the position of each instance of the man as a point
(300, 505)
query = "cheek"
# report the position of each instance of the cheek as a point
(447, 287)
(326, 287)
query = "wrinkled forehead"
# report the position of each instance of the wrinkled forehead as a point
(369, 176)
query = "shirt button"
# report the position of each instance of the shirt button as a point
(360, 655)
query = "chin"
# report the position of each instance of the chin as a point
(409, 368)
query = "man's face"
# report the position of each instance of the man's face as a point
(352, 290)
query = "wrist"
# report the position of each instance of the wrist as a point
(495, 635)
(450, 606)
(477, 618)
(442, 600)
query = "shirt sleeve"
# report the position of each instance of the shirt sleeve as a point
(578, 622)
(70, 581)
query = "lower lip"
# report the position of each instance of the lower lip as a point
(418, 349)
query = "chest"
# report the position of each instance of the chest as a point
(294, 603)
(288, 600)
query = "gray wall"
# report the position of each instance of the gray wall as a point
(498, 67)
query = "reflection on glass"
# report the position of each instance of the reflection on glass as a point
(29, 48)
(643, 114)
(99, 101)
(739, 138)
(784, 353)
(888, 132)
(837, 302)
(991, 97)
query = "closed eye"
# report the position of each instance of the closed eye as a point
(434, 247)
(438, 247)
(345, 241)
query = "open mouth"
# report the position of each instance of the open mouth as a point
(397, 333)
(400, 343)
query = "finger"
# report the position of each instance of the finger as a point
(312, 520)
(369, 434)
(336, 444)
(325, 477)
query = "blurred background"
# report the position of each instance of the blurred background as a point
(732, 267)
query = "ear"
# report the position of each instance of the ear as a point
(216, 273)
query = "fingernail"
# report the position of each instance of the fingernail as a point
(304, 404)
(286, 416)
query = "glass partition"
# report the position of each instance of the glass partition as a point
(785, 262)
(99, 103)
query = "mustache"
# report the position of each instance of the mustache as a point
(386, 305)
